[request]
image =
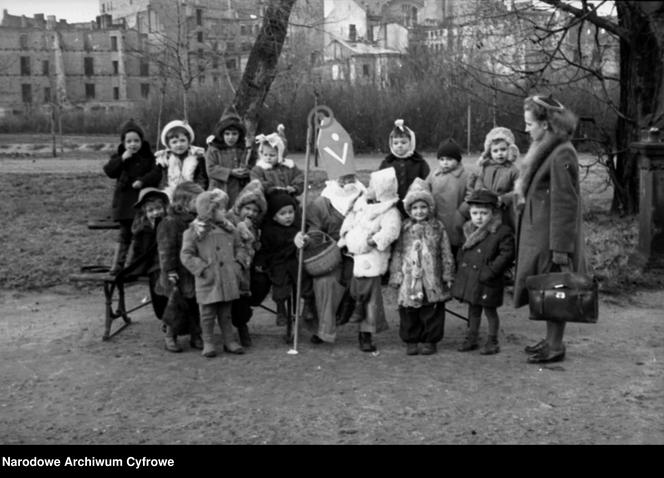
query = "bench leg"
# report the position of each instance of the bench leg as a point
(110, 316)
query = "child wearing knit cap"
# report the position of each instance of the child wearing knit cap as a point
(422, 269)
(447, 184)
(209, 249)
(273, 169)
(133, 166)
(406, 161)
(498, 172)
(277, 257)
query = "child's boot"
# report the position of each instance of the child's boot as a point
(171, 341)
(119, 257)
(282, 317)
(243, 333)
(469, 343)
(491, 347)
(428, 348)
(366, 345)
(207, 329)
(227, 332)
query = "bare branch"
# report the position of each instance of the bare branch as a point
(591, 16)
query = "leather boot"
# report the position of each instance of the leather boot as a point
(469, 343)
(227, 334)
(491, 347)
(243, 333)
(119, 257)
(366, 345)
(171, 344)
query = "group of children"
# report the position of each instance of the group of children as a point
(225, 229)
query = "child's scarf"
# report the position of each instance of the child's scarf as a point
(474, 235)
(201, 228)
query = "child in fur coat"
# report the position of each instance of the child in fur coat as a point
(246, 215)
(273, 170)
(181, 161)
(483, 258)
(368, 232)
(209, 249)
(422, 268)
(498, 172)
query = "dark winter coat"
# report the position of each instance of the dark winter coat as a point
(142, 167)
(482, 261)
(407, 169)
(278, 255)
(449, 190)
(169, 244)
(280, 175)
(548, 195)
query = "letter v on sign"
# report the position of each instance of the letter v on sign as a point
(336, 149)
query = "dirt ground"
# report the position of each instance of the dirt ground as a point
(61, 384)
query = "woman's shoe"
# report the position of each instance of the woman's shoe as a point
(546, 355)
(532, 349)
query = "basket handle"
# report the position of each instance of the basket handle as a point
(325, 235)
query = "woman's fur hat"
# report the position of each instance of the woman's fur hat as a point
(208, 202)
(177, 124)
(399, 129)
(499, 133)
(418, 191)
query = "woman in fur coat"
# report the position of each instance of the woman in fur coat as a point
(548, 200)
(422, 268)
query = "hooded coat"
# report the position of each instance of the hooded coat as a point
(282, 174)
(169, 244)
(407, 169)
(380, 221)
(139, 167)
(449, 190)
(550, 218)
(220, 158)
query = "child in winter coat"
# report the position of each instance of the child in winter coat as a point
(227, 160)
(498, 172)
(368, 232)
(447, 184)
(487, 252)
(406, 161)
(134, 168)
(143, 254)
(422, 268)
(277, 256)
(181, 161)
(209, 248)
(273, 170)
(246, 215)
(173, 273)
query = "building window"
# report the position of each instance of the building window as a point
(116, 93)
(230, 46)
(215, 80)
(243, 29)
(88, 66)
(23, 42)
(215, 63)
(231, 64)
(116, 67)
(47, 95)
(365, 70)
(26, 93)
(352, 32)
(199, 37)
(199, 17)
(145, 90)
(114, 43)
(25, 66)
(45, 67)
(89, 91)
(145, 68)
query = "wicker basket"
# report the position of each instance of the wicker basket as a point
(321, 258)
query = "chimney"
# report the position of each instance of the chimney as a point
(50, 22)
(24, 21)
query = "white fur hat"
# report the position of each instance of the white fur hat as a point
(177, 124)
(384, 184)
(499, 133)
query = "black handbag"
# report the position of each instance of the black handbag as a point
(563, 297)
(176, 314)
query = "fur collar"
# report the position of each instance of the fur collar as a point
(534, 158)
(265, 165)
(201, 228)
(474, 235)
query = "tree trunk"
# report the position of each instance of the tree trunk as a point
(262, 63)
(641, 101)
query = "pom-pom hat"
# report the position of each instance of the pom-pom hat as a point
(131, 125)
(449, 149)
(418, 191)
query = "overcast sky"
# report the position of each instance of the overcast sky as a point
(74, 11)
